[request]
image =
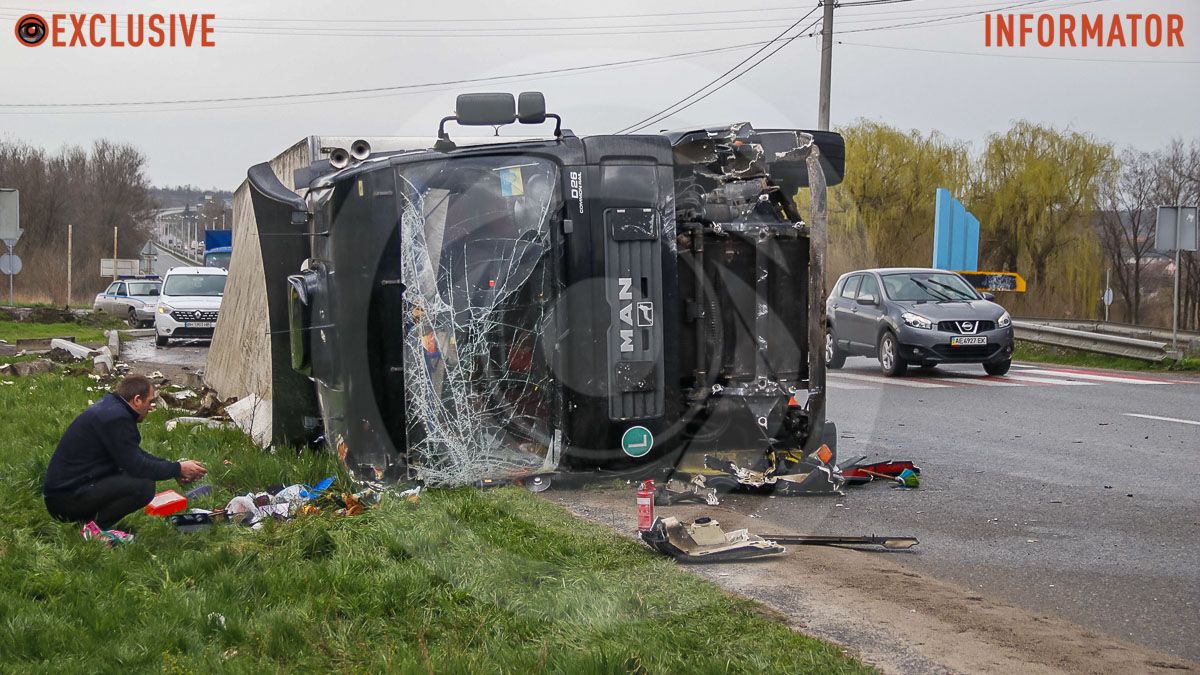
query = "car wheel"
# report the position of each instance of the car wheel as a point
(890, 361)
(834, 357)
(133, 320)
(161, 341)
(997, 368)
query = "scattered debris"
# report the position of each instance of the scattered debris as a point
(676, 490)
(209, 422)
(27, 368)
(253, 416)
(804, 477)
(704, 541)
(79, 352)
(890, 543)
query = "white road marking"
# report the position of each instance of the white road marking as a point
(889, 380)
(844, 385)
(977, 380)
(1163, 419)
(1048, 380)
(1097, 378)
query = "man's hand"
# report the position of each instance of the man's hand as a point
(191, 470)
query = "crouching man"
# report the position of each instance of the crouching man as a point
(98, 474)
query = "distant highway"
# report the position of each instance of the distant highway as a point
(166, 259)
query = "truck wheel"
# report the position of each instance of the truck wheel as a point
(890, 361)
(997, 368)
(834, 357)
(161, 341)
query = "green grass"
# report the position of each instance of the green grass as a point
(89, 330)
(1029, 351)
(495, 581)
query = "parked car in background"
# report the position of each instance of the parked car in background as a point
(189, 303)
(915, 316)
(131, 298)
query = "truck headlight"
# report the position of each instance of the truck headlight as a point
(1005, 320)
(916, 321)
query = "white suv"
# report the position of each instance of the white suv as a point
(188, 303)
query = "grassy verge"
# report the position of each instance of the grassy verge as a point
(90, 330)
(465, 581)
(1029, 351)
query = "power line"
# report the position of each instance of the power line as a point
(675, 107)
(373, 90)
(1019, 56)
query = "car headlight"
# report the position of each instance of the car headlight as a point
(163, 309)
(916, 321)
(1005, 320)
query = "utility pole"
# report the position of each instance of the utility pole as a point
(114, 253)
(826, 64)
(70, 236)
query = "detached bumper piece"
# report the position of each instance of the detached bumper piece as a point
(705, 542)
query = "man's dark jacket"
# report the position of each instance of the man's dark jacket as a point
(103, 441)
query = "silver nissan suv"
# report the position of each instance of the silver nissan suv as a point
(915, 316)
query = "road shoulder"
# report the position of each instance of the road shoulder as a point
(890, 616)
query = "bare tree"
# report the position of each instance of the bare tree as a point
(95, 191)
(1126, 218)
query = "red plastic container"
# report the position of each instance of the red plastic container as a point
(166, 503)
(645, 506)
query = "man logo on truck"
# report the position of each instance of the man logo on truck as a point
(625, 297)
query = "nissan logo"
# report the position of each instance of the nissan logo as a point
(967, 326)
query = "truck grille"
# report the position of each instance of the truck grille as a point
(963, 327)
(194, 315)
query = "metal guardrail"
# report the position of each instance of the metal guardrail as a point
(179, 255)
(1100, 343)
(1189, 341)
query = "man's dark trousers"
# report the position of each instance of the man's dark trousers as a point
(105, 501)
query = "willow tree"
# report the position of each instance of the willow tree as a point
(882, 213)
(1036, 194)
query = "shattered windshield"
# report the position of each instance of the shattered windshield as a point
(927, 287)
(478, 279)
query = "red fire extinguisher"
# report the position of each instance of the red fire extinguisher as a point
(645, 505)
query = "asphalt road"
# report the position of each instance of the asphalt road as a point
(1042, 490)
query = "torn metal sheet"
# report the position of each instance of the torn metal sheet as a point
(805, 477)
(703, 541)
(676, 490)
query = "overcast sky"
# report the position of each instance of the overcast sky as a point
(359, 45)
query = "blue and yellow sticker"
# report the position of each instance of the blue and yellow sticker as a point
(512, 183)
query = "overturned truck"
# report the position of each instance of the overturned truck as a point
(500, 308)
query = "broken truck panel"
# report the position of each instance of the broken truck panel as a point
(703, 541)
(504, 309)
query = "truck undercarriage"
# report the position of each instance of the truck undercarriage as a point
(520, 308)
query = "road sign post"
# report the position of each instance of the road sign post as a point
(1177, 228)
(10, 232)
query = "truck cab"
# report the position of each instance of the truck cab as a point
(499, 310)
